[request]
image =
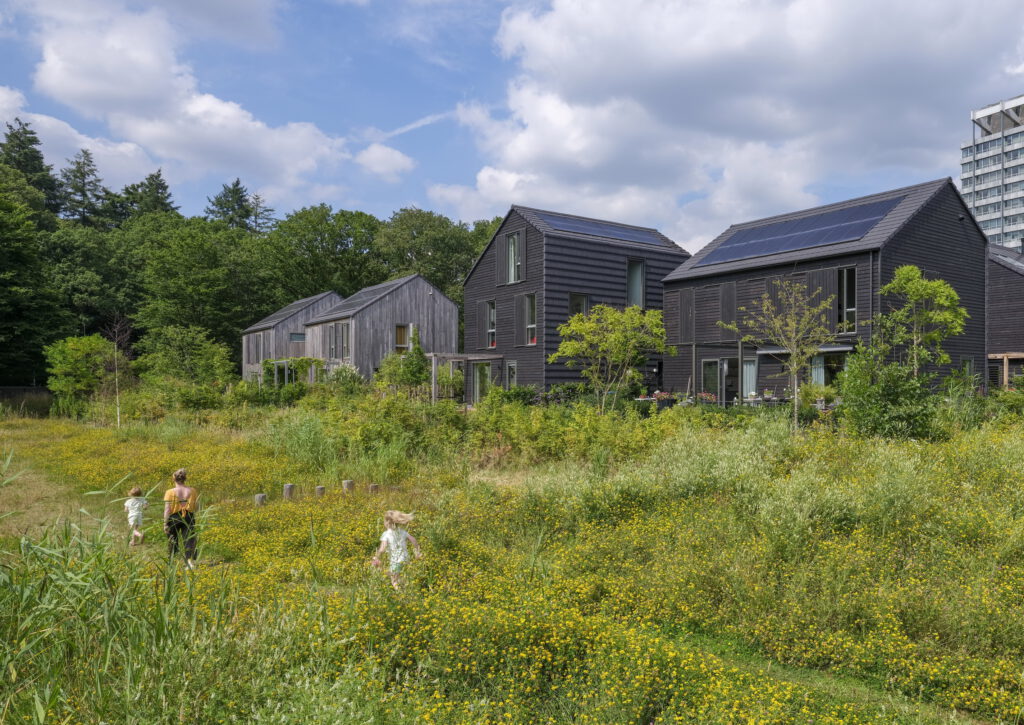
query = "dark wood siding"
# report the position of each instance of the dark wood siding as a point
(943, 242)
(1005, 310)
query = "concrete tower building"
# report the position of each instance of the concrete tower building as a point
(992, 171)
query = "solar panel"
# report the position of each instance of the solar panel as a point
(601, 229)
(817, 230)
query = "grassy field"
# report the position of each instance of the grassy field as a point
(730, 573)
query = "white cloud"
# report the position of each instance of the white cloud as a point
(123, 67)
(691, 116)
(386, 162)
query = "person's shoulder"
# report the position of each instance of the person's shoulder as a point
(169, 495)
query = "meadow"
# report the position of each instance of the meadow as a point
(687, 567)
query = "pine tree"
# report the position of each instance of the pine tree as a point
(84, 193)
(149, 195)
(262, 215)
(232, 205)
(20, 150)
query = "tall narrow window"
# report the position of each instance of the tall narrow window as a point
(346, 350)
(635, 283)
(492, 325)
(512, 373)
(709, 377)
(579, 304)
(401, 338)
(846, 311)
(531, 319)
(332, 341)
(514, 258)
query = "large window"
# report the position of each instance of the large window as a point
(530, 317)
(481, 380)
(511, 373)
(401, 339)
(514, 257)
(826, 368)
(846, 321)
(709, 377)
(579, 304)
(635, 283)
(346, 349)
(492, 325)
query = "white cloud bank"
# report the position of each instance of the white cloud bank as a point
(691, 116)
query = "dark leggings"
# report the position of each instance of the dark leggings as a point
(182, 525)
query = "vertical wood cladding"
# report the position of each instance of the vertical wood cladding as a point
(1005, 304)
(275, 343)
(944, 243)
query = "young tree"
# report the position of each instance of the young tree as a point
(80, 367)
(792, 319)
(611, 346)
(185, 354)
(927, 314)
(233, 206)
(84, 193)
(20, 150)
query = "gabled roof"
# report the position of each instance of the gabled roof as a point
(855, 225)
(578, 227)
(1005, 257)
(363, 298)
(285, 312)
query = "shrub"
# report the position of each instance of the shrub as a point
(885, 398)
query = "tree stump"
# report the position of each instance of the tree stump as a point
(348, 485)
(260, 499)
(320, 491)
(289, 491)
(374, 488)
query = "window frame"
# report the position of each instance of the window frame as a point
(296, 337)
(846, 317)
(531, 311)
(513, 258)
(345, 335)
(579, 296)
(403, 349)
(511, 373)
(643, 282)
(492, 325)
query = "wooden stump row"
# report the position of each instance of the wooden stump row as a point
(289, 492)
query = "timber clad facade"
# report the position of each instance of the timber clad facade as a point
(926, 225)
(539, 269)
(1005, 315)
(361, 330)
(282, 334)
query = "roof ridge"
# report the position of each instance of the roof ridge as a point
(585, 218)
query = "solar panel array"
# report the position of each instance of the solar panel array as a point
(601, 229)
(831, 227)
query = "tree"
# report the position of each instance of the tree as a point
(316, 249)
(80, 367)
(262, 215)
(610, 346)
(14, 182)
(788, 317)
(233, 206)
(20, 150)
(152, 194)
(407, 371)
(84, 193)
(929, 312)
(185, 354)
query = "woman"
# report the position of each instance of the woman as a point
(179, 517)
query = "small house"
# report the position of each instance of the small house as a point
(378, 320)
(282, 334)
(1005, 315)
(846, 251)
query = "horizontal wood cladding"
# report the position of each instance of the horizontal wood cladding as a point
(943, 242)
(486, 282)
(1005, 310)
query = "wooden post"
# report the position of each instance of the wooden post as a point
(374, 488)
(348, 485)
(1006, 371)
(260, 499)
(433, 378)
(320, 491)
(289, 491)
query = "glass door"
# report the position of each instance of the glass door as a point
(481, 381)
(729, 368)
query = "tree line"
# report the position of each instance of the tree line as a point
(78, 258)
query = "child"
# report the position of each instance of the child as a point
(395, 540)
(134, 505)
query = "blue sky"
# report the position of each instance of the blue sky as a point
(683, 115)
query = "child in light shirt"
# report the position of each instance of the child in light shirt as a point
(133, 506)
(395, 540)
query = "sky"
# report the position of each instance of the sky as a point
(684, 115)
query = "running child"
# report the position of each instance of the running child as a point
(133, 506)
(395, 540)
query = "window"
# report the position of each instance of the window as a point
(346, 350)
(401, 338)
(481, 381)
(749, 377)
(635, 283)
(826, 368)
(709, 377)
(492, 325)
(296, 337)
(514, 258)
(332, 341)
(579, 304)
(511, 373)
(531, 319)
(846, 321)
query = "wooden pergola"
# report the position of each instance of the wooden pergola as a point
(1006, 357)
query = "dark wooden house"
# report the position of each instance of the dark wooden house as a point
(362, 329)
(847, 250)
(540, 268)
(282, 334)
(1005, 315)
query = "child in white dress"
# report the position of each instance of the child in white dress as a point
(133, 506)
(395, 540)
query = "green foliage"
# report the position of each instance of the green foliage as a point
(346, 380)
(923, 314)
(232, 205)
(83, 193)
(611, 346)
(293, 370)
(408, 372)
(963, 407)
(882, 398)
(80, 367)
(20, 150)
(186, 354)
